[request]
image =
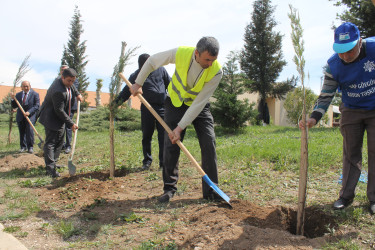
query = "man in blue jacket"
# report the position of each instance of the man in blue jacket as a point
(29, 100)
(154, 91)
(352, 70)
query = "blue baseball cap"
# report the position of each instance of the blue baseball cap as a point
(346, 37)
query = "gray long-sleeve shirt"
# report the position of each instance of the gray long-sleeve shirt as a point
(194, 73)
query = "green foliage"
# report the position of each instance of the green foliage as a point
(12, 229)
(74, 54)
(359, 12)
(227, 110)
(6, 107)
(294, 104)
(262, 58)
(132, 218)
(66, 229)
(98, 119)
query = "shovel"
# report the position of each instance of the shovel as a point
(41, 143)
(71, 166)
(179, 143)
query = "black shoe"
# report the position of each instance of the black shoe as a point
(212, 197)
(161, 167)
(145, 167)
(165, 197)
(372, 207)
(22, 150)
(53, 173)
(342, 203)
(67, 150)
(30, 150)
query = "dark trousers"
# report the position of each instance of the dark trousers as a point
(26, 134)
(204, 127)
(148, 122)
(52, 147)
(68, 132)
(353, 124)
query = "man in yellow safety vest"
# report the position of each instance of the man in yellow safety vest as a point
(195, 79)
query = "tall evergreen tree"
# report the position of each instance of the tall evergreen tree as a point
(227, 110)
(262, 58)
(359, 12)
(74, 54)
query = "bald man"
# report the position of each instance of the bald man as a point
(29, 100)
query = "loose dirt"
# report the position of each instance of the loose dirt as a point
(123, 213)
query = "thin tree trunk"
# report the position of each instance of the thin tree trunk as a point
(10, 126)
(302, 176)
(112, 145)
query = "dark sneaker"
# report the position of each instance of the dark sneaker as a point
(165, 197)
(342, 203)
(53, 173)
(372, 207)
(31, 151)
(67, 150)
(145, 167)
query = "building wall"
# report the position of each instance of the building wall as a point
(91, 95)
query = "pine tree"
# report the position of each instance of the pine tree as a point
(227, 110)
(359, 12)
(74, 54)
(262, 58)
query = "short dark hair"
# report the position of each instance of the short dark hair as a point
(209, 44)
(69, 72)
(142, 59)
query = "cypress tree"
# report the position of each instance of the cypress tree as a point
(74, 54)
(262, 58)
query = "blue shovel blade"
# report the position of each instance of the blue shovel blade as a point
(216, 189)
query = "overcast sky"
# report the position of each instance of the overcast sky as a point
(41, 28)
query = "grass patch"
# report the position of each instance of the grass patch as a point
(66, 229)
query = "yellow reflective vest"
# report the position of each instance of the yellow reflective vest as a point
(177, 88)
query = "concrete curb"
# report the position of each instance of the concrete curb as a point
(9, 242)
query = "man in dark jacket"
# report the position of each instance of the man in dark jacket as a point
(29, 100)
(68, 132)
(55, 115)
(154, 91)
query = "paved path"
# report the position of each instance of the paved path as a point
(9, 242)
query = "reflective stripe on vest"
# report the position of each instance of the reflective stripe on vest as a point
(177, 89)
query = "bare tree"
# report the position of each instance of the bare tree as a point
(299, 60)
(114, 89)
(22, 70)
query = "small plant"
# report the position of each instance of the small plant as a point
(164, 228)
(23, 234)
(40, 182)
(152, 177)
(132, 218)
(12, 229)
(91, 216)
(66, 229)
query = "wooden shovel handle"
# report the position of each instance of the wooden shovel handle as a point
(27, 118)
(165, 126)
(76, 132)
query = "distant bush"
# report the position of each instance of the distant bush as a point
(98, 120)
